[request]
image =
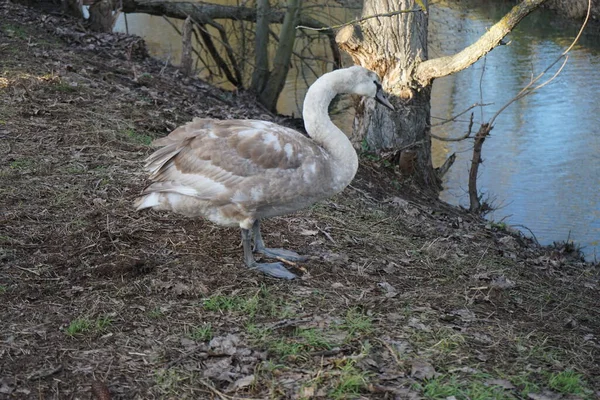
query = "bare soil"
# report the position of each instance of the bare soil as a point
(404, 297)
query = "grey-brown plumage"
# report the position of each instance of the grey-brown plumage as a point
(236, 172)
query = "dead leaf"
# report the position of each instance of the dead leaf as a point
(389, 290)
(415, 323)
(422, 370)
(224, 344)
(308, 392)
(503, 383)
(545, 395)
(502, 282)
(241, 383)
(464, 314)
(180, 288)
(5, 389)
(219, 369)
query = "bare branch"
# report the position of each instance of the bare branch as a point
(458, 139)
(443, 66)
(358, 20)
(228, 49)
(462, 113)
(484, 130)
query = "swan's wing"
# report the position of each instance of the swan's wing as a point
(211, 159)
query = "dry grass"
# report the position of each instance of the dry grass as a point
(402, 297)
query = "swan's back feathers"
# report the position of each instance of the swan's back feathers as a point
(256, 166)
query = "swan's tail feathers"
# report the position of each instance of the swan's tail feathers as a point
(149, 200)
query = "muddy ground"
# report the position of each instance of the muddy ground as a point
(403, 297)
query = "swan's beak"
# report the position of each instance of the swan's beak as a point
(382, 99)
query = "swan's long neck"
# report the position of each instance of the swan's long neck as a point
(324, 132)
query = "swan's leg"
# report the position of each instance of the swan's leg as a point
(259, 247)
(276, 269)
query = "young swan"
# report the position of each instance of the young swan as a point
(237, 172)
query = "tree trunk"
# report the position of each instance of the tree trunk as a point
(187, 61)
(260, 75)
(281, 62)
(394, 46)
(101, 16)
(73, 7)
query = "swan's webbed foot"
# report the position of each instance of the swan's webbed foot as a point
(259, 247)
(287, 255)
(276, 269)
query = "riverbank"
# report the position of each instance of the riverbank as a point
(403, 297)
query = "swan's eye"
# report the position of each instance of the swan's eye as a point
(377, 84)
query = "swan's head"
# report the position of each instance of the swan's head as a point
(365, 82)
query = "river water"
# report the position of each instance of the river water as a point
(541, 164)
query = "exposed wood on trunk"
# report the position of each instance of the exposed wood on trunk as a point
(396, 48)
(393, 47)
(186, 52)
(443, 66)
(441, 171)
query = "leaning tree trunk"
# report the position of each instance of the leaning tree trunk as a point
(393, 46)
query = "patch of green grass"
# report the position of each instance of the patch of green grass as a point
(300, 344)
(3, 289)
(258, 334)
(84, 325)
(79, 326)
(102, 323)
(14, 31)
(314, 338)
(64, 87)
(156, 313)
(357, 323)
(445, 386)
(21, 164)
(202, 333)
(259, 303)
(170, 381)
(525, 384)
(567, 382)
(478, 390)
(500, 226)
(136, 137)
(75, 169)
(224, 303)
(439, 388)
(286, 347)
(350, 382)
(448, 340)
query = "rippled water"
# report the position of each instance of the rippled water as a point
(542, 162)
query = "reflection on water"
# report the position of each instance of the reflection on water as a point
(542, 161)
